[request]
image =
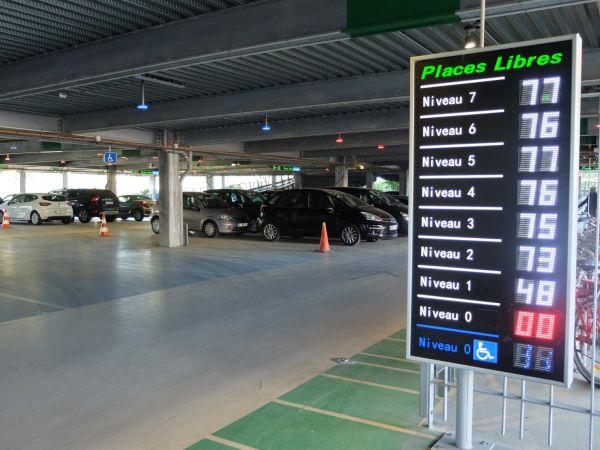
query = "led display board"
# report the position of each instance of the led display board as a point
(494, 154)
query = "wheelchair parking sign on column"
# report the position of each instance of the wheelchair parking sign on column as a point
(110, 157)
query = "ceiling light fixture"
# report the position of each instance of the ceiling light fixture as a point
(339, 139)
(266, 127)
(143, 106)
(470, 40)
(160, 80)
(63, 94)
(7, 158)
(380, 147)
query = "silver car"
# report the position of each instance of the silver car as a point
(208, 214)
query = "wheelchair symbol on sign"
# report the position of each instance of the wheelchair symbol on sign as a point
(485, 351)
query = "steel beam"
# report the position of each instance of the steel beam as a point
(220, 35)
(356, 151)
(470, 9)
(364, 121)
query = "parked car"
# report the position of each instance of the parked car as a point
(382, 201)
(136, 206)
(37, 208)
(7, 199)
(300, 212)
(208, 214)
(398, 196)
(239, 198)
(88, 203)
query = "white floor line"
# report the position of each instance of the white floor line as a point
(30, 300)
(368, 383)
(355, 419)
(229, 443)
(381, 366)
(394, 339)
(392, 358)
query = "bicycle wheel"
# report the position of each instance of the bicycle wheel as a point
(583, 351)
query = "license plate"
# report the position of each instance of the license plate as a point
(242, 224)
(60, 211)
(393, 227)
(108, 202)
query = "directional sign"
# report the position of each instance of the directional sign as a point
(494, 155)
(110, 157)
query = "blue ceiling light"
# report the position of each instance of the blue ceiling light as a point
(143, 106)
(266, 127)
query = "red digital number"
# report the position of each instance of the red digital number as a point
(535, 325)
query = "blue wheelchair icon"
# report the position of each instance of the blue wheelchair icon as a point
(485, 351)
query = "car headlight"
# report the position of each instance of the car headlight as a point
(404, 216)
(371, 217)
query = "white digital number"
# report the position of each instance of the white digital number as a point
(526, 225)
(548, 193)
(550, 89)
(524, 291)
(529, 91)
(529, 123)
(469, 254)
(547, 226)
(545, 259)
(471, 161)
(527, 159)
(528, 189)
(527, 291)
(548, 128)
(470, 223)
(525, 258)
(471, 192)
(549, 158)
(472, 94)
(545, 294)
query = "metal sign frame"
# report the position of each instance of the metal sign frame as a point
(571, 240)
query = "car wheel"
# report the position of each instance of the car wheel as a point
(35, 218)
(84, 216)
(155, 224)
(138, 215)
(210, 229)
(271, 232)
(253, 226)
(67, 220)
(111, 218)
(350, 235)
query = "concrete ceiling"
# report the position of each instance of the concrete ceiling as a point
(75, 67)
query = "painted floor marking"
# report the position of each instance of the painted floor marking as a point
(229, 443)
(394, 339)
(30, 300)
(356, 419)
(369, 383)
(381, 366)
(393, 358)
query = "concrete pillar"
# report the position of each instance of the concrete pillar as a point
(65, 180)
(341, 176)
(403, 182)
(111, 179)
(22, 182)
(298, 180)
(273, 181)
(222, 181)
(210, 182)
(171, 201)
(154, 184)
(369, 180)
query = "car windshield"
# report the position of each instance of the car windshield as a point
(54, 198)
(384, 198)
(348, 199)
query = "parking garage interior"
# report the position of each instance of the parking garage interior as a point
(136, 340)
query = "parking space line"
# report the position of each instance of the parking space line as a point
(381, 366)
(368, 383)
(229, 443)
(30, 300)
(394, 339)
(355, 419)
(393, 358)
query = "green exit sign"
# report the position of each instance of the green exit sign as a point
(286, 169)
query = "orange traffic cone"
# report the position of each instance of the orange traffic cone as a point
(103, 227)
(5, 222)
(324, 245)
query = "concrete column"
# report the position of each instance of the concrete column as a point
(341, 176)
(403, 182)
(369, 180)
(273, 181)
(210, 182)
(298, 180)
(22, 182)
(65, 180)
(171, 201)
(222, 181)
(111, 179)
(154, 186)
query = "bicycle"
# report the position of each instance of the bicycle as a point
(584, 328)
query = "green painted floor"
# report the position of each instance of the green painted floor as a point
(371, 404)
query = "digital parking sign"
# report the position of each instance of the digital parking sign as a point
(493, 158)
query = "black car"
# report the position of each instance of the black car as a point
(88, 203)
(136, 206)
(300, 212)
(383, 201)
(239, 198)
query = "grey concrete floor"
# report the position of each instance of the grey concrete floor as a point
(116, 343)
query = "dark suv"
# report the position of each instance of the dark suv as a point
(383, 201)
(300, 212)
(88, 203)
(244, 200)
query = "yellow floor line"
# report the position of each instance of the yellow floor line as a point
(391, 358)
(355, 419)
(368, 383)
(230, 443)
(381, 366)
(394, 339)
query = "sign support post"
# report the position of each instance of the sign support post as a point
(464, 409)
